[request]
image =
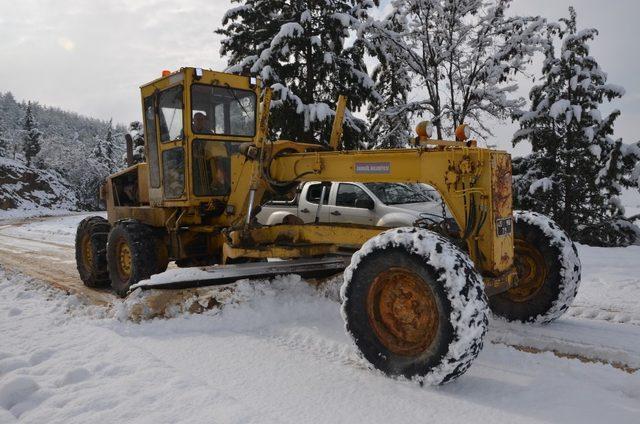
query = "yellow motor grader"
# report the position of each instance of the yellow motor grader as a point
(415, 300)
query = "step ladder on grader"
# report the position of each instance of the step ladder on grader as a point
(415, 299)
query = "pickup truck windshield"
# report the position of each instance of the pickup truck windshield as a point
(397, 194)
(223, 111)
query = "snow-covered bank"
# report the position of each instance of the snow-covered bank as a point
(280, 355)
(28, 192)
(60, 228)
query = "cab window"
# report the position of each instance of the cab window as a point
(151, 142)
(170, 114)
(348, 194)
(223, 111)
(173, 171)
(212, 167)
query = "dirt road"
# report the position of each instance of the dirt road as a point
(45, 257)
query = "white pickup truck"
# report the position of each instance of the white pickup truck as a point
(379, 204)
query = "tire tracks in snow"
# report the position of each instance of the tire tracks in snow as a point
(51, 262)
(587, 340)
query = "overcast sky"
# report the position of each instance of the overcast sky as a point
(91, 56)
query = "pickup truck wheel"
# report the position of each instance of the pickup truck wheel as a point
(292, 220)
(134, 253)
(414, 306)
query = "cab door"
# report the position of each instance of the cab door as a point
(352, 205)
(170, 118)
(151, 149)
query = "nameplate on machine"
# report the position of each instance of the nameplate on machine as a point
(503, 227)
(373, 167)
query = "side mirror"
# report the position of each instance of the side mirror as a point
(365, 204)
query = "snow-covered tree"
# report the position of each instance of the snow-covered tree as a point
(389, 123)
(4, 141)
(305, 51)
(108, 146)
(136, 131)
(464, 56)
(32, 136)
(105, 147)
(11, 119)
(577, 169)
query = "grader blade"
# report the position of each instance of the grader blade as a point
(175, 279)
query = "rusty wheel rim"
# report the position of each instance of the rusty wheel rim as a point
(403, 311)
(124, 260)
(532, 271)
(87, 252)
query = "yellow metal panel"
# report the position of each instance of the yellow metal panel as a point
(156, 217)
(463, 176)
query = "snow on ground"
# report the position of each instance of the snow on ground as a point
(33, 212)
(280, 356)
(278, 353)
(57, 229)
(610, 288)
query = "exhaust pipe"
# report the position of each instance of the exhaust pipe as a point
(129, 141)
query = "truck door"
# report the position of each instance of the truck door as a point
(308, 204)
(352, 205)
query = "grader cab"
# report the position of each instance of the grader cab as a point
(415, 299)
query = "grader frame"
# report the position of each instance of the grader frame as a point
(474, 182)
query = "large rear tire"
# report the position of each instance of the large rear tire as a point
(134, 253)
(548, 269)
(414, 305)
(91, 251)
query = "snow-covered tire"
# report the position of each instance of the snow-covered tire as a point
(146, 252)
(544, 295)
(91, 251)
(414, 305)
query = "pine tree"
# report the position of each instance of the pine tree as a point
(108, 146)
(389, 117)
(136, 131)
(301, 49)
(577, 169)
(4, 141)
(464, 53)
(31, 140)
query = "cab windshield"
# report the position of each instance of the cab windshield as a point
(398, 194)
(223, 111)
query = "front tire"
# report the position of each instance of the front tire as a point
(548, 268)
(414, 305)
(134, 253)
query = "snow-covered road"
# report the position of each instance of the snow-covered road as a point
(278, 353)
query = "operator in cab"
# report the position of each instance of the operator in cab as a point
(201, 124)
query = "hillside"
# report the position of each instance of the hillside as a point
(30, 192)
(69, 157)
